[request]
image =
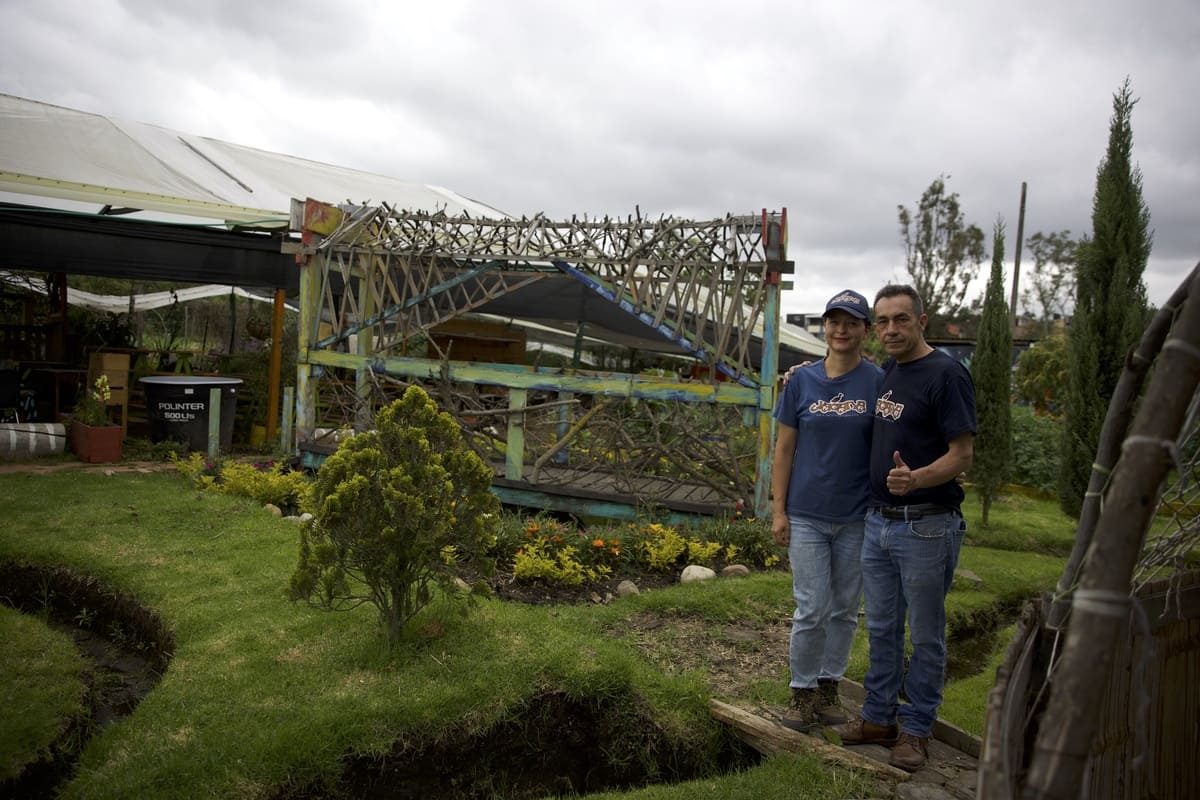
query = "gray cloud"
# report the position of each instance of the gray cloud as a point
(840, 113)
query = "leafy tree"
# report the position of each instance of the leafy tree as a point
(991, 369)
(1041, 375)
(398, 510)
(1052, 279)
(942, 253)
(1110, 301)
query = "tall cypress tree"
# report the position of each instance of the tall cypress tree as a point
(991, 369)
(1110, 301)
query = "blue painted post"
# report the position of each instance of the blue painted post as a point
(775, 247)
(564, 424)
(364, 417)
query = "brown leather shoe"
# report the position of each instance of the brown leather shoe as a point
(860, 731)
(911, 752)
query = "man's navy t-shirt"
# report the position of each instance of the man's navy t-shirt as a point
(922, 406)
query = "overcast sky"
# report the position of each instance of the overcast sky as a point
(838, 111)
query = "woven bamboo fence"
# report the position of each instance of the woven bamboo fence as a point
(1099, 694)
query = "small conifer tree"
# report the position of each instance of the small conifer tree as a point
(1110, 302)
(397, 511)
(991, 369)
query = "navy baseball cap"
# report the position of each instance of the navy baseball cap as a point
(851, 302)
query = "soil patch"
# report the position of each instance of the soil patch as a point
(734, 657)
(538, 593)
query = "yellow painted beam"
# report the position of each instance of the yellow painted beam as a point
(521, 377)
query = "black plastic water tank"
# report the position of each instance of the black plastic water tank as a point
(177, 408)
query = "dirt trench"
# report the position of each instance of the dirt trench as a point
(126, 647)
(553, 745)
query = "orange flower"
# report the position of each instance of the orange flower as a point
(616, 551)
(597, 543)
(557, 539)
(533, 527)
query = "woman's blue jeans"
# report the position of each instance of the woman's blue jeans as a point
(827, 585)
(907, 571)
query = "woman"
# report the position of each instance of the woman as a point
(820, 486)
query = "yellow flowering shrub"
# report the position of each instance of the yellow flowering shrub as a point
(662, 547)
(703, 552)
(554, 550)
(262, 482)
(541, 560)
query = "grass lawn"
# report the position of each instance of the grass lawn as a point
(43, 691)
(264, 696)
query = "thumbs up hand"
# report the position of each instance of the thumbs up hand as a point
(900, 480)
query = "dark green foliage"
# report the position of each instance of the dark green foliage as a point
(992, 373)
(398, 510)
(1110, 301)
(942, 254)
(1042, 374)
(1037, 444)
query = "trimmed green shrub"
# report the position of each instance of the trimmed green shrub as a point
(398, 510)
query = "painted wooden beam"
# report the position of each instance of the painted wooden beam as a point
(616, 384)
(514, 451)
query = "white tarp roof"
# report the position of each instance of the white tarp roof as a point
(49, 151)
(119, 304)
(82, 161)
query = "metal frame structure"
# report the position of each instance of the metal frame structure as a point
(375, 283)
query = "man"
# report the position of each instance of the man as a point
(922, 439)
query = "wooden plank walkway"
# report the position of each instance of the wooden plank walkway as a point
(950, 774)
(577, 491)
(586, 492)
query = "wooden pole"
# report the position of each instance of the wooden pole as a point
(276, 363)
(1012, 311)
(232, 320)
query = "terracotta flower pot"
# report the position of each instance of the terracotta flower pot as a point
(95, 443)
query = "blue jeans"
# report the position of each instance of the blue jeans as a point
(826, 584)
(907, 571)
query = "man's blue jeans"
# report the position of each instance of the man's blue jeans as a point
(827, 585)
(907, 571)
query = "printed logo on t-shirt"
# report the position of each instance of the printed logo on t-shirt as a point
(887, 408)
(839, 406)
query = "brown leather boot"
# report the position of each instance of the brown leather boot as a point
(829, 705)
(800, 714)
(860, 731)
(911, 753)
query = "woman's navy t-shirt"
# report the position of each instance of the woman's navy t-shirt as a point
(833, 420)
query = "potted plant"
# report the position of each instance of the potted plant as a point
(94, 437)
